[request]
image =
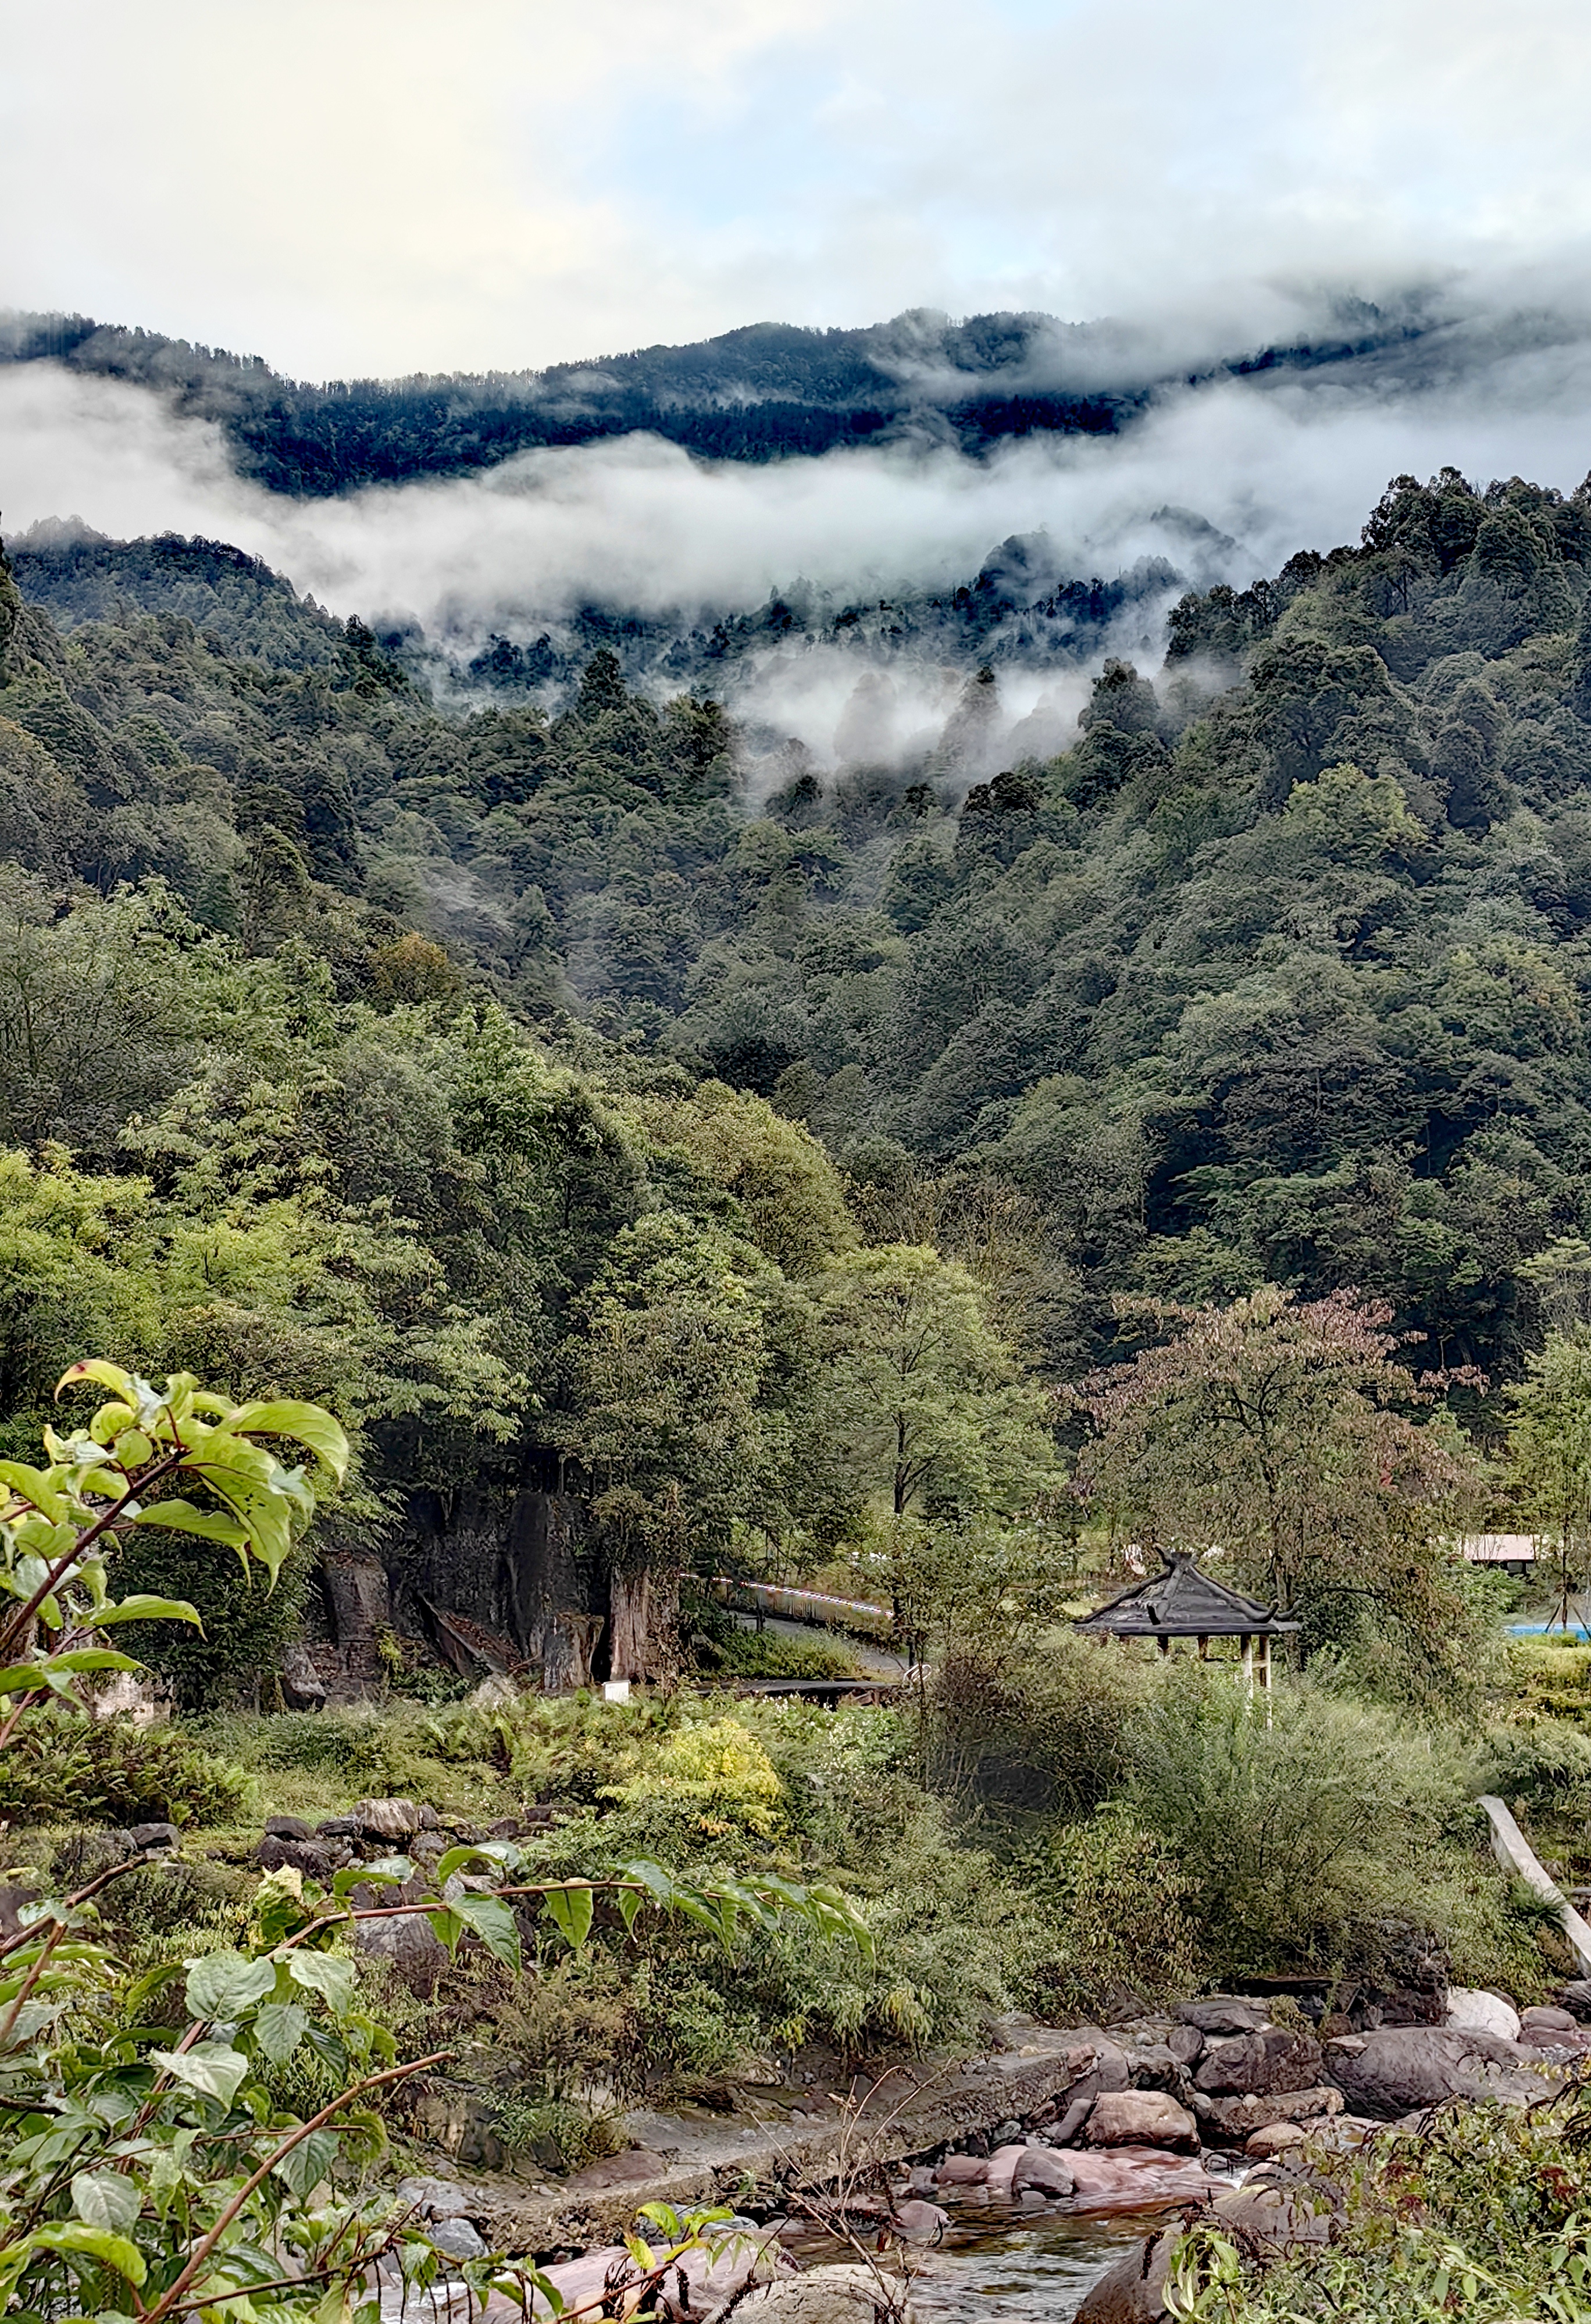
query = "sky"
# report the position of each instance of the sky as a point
(371, 188)
(376, 186)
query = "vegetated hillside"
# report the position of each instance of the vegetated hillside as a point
(770, 391)
(1277, 972)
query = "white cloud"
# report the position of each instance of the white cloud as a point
(379, 186)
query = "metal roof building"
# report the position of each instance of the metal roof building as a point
(1181, 1602)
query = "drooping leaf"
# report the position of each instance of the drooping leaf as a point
(95, 1367)
(33, 1485)
(278, 2028)
(103, 2199)
(305, 1424)
(492, 1921)
(144, 1607)
(97, 2243)
(331, 1975)
(180, 1516)
(307, 2164)
(572, 1909)
(225, 1984)
(213, 2069)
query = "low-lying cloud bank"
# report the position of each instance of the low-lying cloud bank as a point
(1222, 481)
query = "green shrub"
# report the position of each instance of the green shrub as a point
(1305, 1825)
(1543, 1764)
(1481, 2214)
(1117, 1921)
(63, 1768)
(1043, 1732)
(769, 1653)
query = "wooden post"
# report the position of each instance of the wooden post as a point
(1204, 1650)
(1248, 1664)
(1265, 1663)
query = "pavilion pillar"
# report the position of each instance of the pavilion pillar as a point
(1248, 1664)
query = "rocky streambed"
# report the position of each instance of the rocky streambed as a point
(1020, 2177)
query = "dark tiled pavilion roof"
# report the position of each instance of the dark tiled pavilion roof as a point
(1183, 1603)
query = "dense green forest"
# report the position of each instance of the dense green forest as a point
(500, 1078)
(770, 391)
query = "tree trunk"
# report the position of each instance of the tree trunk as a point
(643, 1635)
(360, 1611)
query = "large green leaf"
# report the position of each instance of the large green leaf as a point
(492, 1921)
(331, 1975)
(178, 1516)
(142, 1608)
(213, 2069)
(103, 2199)
(96, 2243)
(572, 1909)
(278, 2028)
(111, 1376)
(305, 1424)
(308, 2164)
(225, 1984)
(44, 1492)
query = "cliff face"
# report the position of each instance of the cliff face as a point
(490, 1585)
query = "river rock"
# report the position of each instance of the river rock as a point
(288, 1827)
(439, 2199)
(1576, 1995)
(318, 1858)
(1482, 2012)
(1142, 2119)
(962, 2171)
(1092, 2067)
(1273, 2059)
(825, 2295)
(1121, 2177)
(1047, 2173)
(1223, 2013)
(150, 1837)
(1185, 2043)
(457, 2239)
(1236, 2119)
(918, 2222)
(386, 1819)
(1133, 2291)
(1405, 2068)
(1270, 2139)
(1271, 2212)
(1002, 2170)
(1155, 2066)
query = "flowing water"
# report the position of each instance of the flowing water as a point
(1034, 2270)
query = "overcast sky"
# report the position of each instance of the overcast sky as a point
(377, 186)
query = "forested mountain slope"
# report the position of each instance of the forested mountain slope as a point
(770, 391)
(1278, 971)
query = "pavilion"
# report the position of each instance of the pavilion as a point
(1181, 1602)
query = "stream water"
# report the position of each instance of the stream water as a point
(1033, 2270)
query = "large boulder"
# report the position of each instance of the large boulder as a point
(1403, 2069)
(1482, 2012)
(1142, 2119)
(1236, 2119)
(1120, 2178)
(1223, 2013)
(1093, 2067)
(1002, 2171)
(959, 2171)
(825, 2295)
(1273, 2059)
(386, 1819)
(1133, 2291)
(1045, 2172)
